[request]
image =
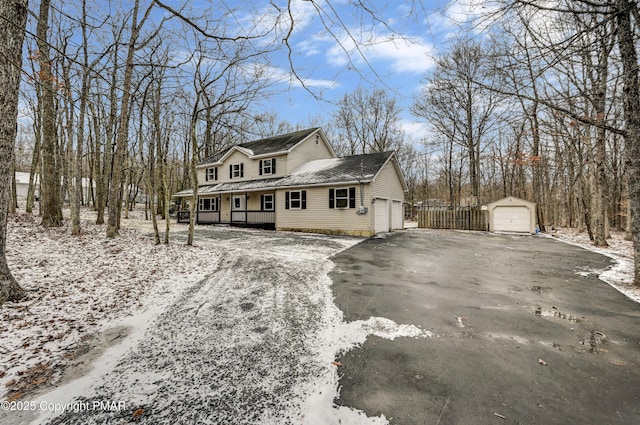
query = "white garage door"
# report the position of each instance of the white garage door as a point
(511, 219)
(382, 215)
(396, 215)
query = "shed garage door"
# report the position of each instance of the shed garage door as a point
(512, 219)
(382, 215)
(396, 215)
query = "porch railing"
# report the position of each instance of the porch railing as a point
(253, 217)
(183, 216)
(237, 217)
(208, 217)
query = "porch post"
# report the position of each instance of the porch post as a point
(246, 205)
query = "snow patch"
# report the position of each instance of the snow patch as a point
(315, 166)
(619, 275)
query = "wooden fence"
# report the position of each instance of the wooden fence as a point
(454, 219)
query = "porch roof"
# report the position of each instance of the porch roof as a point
(243, 186)
(320, 172)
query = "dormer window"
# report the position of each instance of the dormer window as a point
(267, 166)
(211, 174)
(236, 171)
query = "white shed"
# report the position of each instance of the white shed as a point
(512, 214)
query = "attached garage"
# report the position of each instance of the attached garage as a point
(512, 214)
(381, 206)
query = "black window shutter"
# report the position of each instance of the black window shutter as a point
(332, 202)
(286, 200)
(216, 173)
(230, 171)
(262, 202)
(304, 199)
(273, 166)
(241, 169)
(260, 172)
(352, 197)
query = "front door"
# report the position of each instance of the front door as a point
(238, 208)
(239, 202)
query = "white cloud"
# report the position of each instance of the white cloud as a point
(401, 54)
(285, 76)
(461, 16)
(414, 130)
(273, 16)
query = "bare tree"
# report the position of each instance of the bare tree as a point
(13, 17)
(598, 22)
(368, 122)
(115, 189)
(457, 106)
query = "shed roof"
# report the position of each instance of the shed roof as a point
(511, 200)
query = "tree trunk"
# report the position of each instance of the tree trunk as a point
(13, 18)
(193, 205)
(115, 195)
(35, 159)
(76, 198)
(151, 175)
(631, 102)
(50, 181)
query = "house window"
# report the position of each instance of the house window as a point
(267, 166)
(296, 200)
(267, 202)
(342, 198)
(208, 204)
(211, 174)
(236, 171)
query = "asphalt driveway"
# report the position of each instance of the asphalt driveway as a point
(524, 332)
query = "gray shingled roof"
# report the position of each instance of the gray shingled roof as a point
(337, 170)
(347, 169)
(274, 144)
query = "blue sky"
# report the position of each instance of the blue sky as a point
(398, 50)
(399, 40)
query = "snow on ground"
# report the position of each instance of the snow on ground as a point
(620, 276)
(76, 286)
(241, 328)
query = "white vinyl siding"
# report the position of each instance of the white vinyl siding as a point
(387, 185)
(306, 151)
(282, 165)
(319, 217)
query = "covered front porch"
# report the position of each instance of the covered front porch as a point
(249, 209)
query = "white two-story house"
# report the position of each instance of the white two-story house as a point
(295, 182)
